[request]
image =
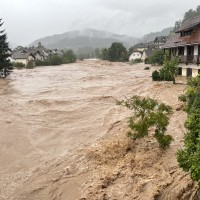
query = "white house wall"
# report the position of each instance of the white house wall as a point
(184, 71)
(38, 57)
(30, 58)
(135, 55)
(144, 55)
(185, 50)
(24, 61)
(194, 72)
(195, 49)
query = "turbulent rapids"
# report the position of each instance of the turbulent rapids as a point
(51, 116)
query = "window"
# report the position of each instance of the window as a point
(186, 33)
(180, 51)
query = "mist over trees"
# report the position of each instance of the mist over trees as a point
(117, 52)
(192, 13)
(167, 31)
(188, 15)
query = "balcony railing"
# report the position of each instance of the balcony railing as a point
(189, 59)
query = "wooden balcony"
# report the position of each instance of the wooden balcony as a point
(195, 59)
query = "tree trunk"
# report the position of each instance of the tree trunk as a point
(173, 79)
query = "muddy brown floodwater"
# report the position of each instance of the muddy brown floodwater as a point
(49, 116)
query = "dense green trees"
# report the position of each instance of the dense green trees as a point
(148, 113)
(117, 52)
(56, 60)
(188, 15)
(4, 49)
(68, 57)
(157, 57)
(177, 25)
(104, 54)
(189, 157)
(192, 13)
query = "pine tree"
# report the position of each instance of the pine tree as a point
(4, 49)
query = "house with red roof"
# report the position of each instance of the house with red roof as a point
(185, 44)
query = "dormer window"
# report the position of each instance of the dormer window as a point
(186, 33)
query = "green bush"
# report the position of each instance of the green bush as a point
(167, 73)
(147, 68)
(155, 76)
(19, 65)
(189, 156)
(147, 61)
(56, 60)
(42, 63)
(148, 113)
(192, 94)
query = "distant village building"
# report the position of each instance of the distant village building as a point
(141, 54)
(23, 57)
(140, 46)
(136, 54)
(147, 53)
(160, 41)
(145, 50)
(185, 44)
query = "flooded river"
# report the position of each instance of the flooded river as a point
(48, 114)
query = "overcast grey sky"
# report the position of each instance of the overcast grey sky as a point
(28, 20)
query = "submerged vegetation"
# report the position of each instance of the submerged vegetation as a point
(148, 113)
